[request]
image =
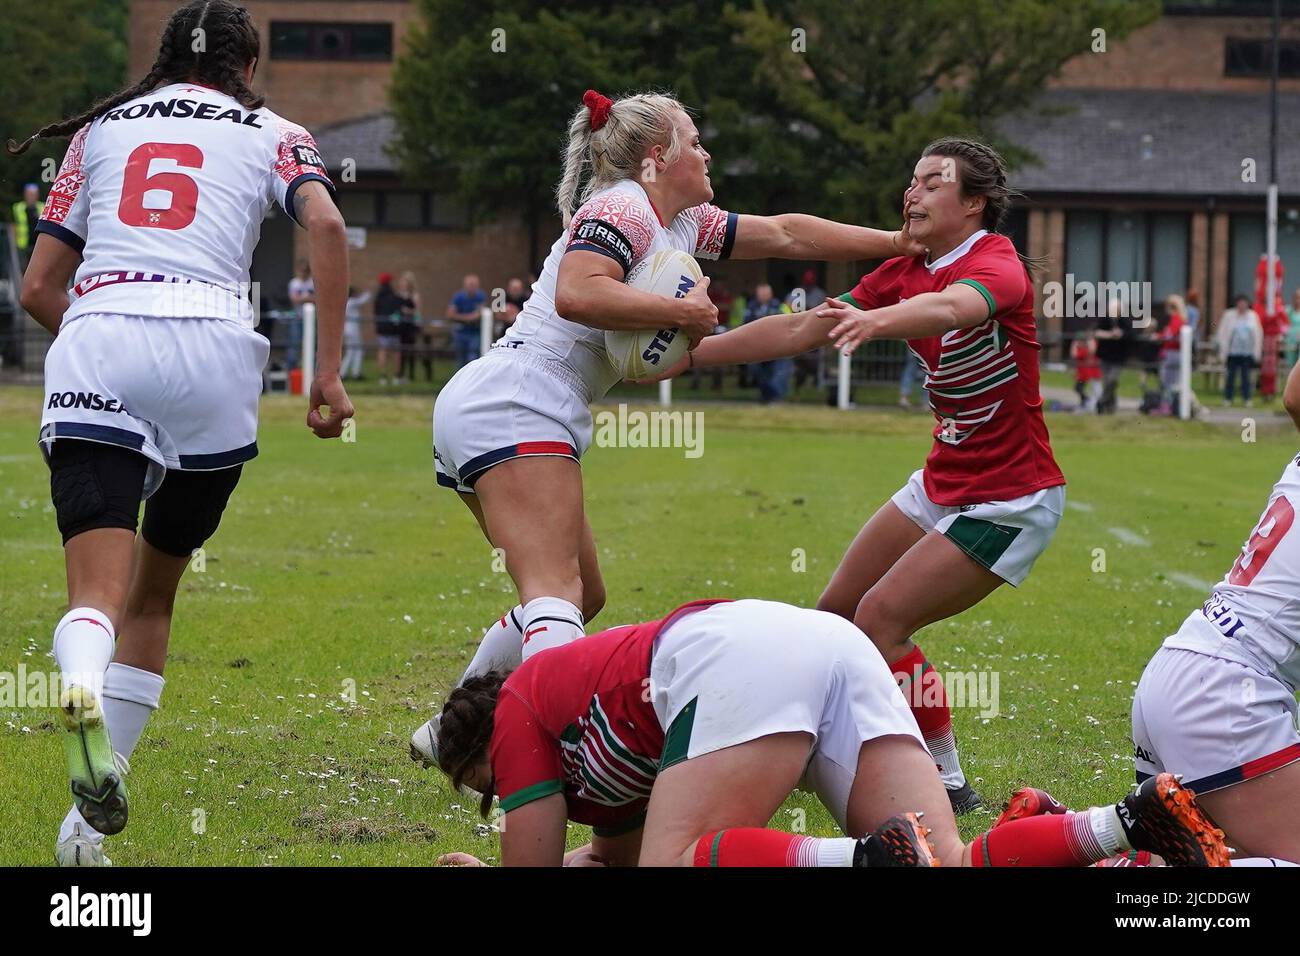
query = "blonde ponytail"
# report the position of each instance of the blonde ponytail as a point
(626, 130)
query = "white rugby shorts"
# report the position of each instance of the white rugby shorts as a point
(741, 670)
(506, 404)
(181, 391)
(1004, 536)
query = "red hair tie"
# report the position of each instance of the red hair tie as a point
(599, 105)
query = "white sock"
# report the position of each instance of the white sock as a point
(943, 748)
(501, 648)
(1106, 827)
(83, 646)
(835, 851)
(549, 622)
(130, 696)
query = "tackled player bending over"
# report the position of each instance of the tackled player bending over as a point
(678, 739)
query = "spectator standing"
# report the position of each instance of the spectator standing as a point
(773, 377)
(907, 381)
(807, 295)
(516, 295)
(1171, 349)
(464, 311)
(302, 290)
(353, 350)
(1114, 338)
(1087, 371)
(388, 313)
(1241, 344)
(1193, 314)
(408, 328)
(26, 212)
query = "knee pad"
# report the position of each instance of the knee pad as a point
(95, 485)
(186, 509)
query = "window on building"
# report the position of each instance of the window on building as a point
(1169, 254)
(358, 208)
(296, 40)
(1249, 56)
(1124, 246)
(404, 209)
(449, 213)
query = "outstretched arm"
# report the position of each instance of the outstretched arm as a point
(931, 313)
(797, 236)
(771, 337)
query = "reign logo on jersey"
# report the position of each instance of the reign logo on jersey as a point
(595, 236)
(307, 156)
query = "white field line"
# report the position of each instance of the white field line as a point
(1128, 536)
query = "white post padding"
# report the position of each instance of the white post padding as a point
(1185, 372)
(485, 328)
(845, 382)
(308, 344)
(666, 392)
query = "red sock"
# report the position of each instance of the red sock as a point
(926, 697)
(1048, 840)
(756, 847)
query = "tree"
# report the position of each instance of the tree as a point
(483, 97)
(847, 111)
(816, 105)
(57, 57)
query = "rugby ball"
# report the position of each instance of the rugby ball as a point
(644, 353)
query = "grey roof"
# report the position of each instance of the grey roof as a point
(1087, 141)
(361, 140)
(1197, 142)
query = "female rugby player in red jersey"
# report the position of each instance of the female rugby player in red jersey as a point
(678, 739)
(990, 496)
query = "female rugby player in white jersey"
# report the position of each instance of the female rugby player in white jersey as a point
(152, 383)
(510, 427)
(1217, 702)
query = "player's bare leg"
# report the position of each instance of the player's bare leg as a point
(146, 626)
(133, 682)
(713, 810)
(531, 509)
(99, 570)
(885, 538)
(738, 787)
(1258, 816)
(934, 580)
(895, 775)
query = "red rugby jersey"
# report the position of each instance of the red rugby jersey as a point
(578, 720)
(991, 441)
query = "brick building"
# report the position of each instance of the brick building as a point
(1142, 152)
(326, 64)
(1154, 157)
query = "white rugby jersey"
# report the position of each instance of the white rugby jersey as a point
(1253, 614)
(164, 197)
(621, 222)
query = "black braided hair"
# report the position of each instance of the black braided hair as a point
(466, 729)
(230, 43)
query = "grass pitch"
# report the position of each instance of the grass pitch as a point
(345, 591)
